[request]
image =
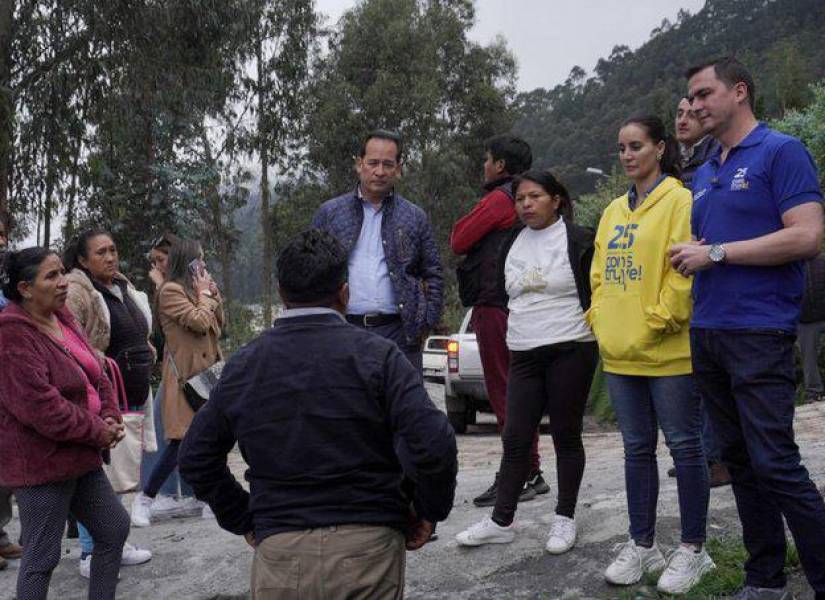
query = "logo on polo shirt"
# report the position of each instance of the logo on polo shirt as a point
(699, 194)
(739, 181)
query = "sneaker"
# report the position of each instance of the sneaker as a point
(191, 507)
(750, 592)
(718, 474)
(685, 568)
(632, 562)
(85, 567)
(562, 535)
(132, 555)
(142, 510)
(166, 506)
(207, 513)
(528, 492)
(537, 482)
(486, 531)
(11, 551)
(488, 497)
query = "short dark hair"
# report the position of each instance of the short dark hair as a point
(312, 268)
(552, 186)
(670, 163)
(514, 151)
(730, 71)
(21, 266)
(79, 247)
(383, 134)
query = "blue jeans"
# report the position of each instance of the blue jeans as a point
(747, 379)
(150, 459)
(642, 405)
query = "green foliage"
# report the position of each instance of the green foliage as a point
(589, 207)
(808, 124)
(598, 402)
(242, 327)
(574, 125)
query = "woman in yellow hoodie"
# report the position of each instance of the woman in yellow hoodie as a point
(640, 314)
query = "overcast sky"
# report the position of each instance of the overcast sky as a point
(550, 37)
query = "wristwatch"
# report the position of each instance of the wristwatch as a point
(717, 254)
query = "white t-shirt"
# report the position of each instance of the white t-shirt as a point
(544, 303)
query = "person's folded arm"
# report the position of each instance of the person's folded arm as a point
(202, 462)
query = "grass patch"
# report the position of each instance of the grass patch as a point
(725, 580)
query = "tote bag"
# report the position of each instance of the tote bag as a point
(123, 469)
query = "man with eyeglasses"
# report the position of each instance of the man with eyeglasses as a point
(395, 274)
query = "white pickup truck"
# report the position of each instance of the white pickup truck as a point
(464, 390)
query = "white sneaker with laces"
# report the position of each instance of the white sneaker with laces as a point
(684, 570)
(166, 506)
(562, 535)
(486, 531)
(132, 555)
(142, 510)
(632, 562)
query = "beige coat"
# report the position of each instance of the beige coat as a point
(192, 329)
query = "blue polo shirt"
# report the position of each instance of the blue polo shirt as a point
(765, 175)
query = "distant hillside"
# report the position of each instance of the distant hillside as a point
(573, 126)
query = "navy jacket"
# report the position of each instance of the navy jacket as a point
(318, 408)
(701, 155)
(411, 253)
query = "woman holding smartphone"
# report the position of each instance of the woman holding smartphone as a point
(190, 309)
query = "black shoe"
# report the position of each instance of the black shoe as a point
(671, 472)
(538, 483)
(527, 493)
(488, 498)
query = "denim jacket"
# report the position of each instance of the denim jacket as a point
(411, 253)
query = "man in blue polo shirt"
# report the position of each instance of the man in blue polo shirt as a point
(756, 214)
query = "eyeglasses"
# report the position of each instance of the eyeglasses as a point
(373, 164)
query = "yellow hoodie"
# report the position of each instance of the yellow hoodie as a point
(641, 307)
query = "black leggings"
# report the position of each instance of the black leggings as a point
(43, 512)
(554, 379)
(166, 464)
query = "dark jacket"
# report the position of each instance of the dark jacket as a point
(813, 300)
(579, 251)
(476, 274)
(701, 155)
(47, 433)
(410, 250)
(318, 407)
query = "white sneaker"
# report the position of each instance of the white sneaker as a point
(684, 570)
(165, 506)
(142, 510)
(486, 531)
(132, 555)
(85, 567)
(632, 562)
(562, 535)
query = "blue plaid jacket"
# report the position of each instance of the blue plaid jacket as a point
(410, 250)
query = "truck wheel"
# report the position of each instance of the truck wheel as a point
(458, 420)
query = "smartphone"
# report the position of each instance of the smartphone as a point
(197, 267)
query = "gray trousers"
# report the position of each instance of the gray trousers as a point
(808, 337)
(5, 514)
(43, 512)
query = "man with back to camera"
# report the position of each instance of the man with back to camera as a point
(478, 236)
(757, 214)
(395, 275)
(333, 423)
(8, 549)
(695, 147)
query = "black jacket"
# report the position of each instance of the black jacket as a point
(476, 274)
(579, 250)
(701, 155)
(325, 415)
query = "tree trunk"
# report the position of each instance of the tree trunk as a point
(6, 100)
(266, 229)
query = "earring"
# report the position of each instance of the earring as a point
(658, 157)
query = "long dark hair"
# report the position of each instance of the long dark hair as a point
(552, 186)
(655, 129)
(180, 255)
(78, 247)
(22, 266)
